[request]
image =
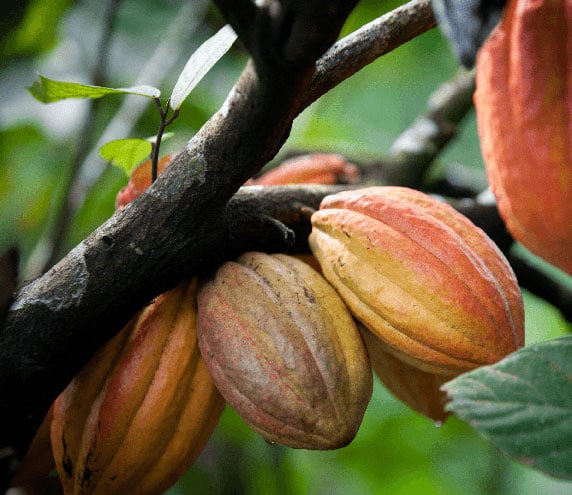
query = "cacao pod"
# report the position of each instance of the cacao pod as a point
(421, 276)
(140, 180)
(284, 351)
(418, 389)
(315, 168)
(140, 412)
(522, 102)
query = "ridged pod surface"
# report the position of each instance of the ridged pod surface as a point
(422, 277)
(284, 351)
(141, 411)
(523, 104)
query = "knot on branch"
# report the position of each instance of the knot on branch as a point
(271, 218)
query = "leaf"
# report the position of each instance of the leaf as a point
(523, 405)
(49, 91)
(126, 153)
(201, 61)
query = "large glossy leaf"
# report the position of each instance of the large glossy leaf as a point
(48, 90)
(201, 61)
(523, 405)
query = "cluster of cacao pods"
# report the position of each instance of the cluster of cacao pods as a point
(522, 102)
(397, 282)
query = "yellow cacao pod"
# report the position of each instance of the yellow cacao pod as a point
(284, 351)
(523, 108)
(422, 277)
(140, 412)
(418, 389)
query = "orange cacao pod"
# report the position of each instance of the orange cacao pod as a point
(418, 389)
(422, 277)
(523, 108)
(140, 412)
(140, 180)
(284, 351)
(315, 168)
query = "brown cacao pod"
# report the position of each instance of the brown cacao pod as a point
(140, 412)
(422, 277)
(284, 351)
(314, 168)
(418, 389)
(523, 108)
(140, 180)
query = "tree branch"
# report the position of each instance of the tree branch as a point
(192, 218)
(371, 41)
(177, 228)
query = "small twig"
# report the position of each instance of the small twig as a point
(164, 122)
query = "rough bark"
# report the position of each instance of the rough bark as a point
(181, 227)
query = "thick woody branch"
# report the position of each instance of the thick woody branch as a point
(175, 229)
(192, 218)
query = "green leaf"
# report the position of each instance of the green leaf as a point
(48, 91)
(523, 405)
(126, 153)
(201, 61)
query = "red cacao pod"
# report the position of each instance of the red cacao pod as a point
(140, 412)
(284, 351)
(140, 180)
(422, 277)
(523, 108)
(315, 168)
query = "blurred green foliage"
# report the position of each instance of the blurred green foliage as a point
(396, 451)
